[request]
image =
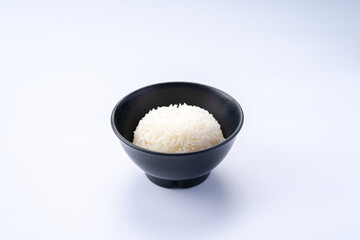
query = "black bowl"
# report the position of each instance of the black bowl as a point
(181, 170)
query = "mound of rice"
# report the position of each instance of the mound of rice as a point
(178, 129)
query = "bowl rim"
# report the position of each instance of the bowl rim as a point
(130, 144)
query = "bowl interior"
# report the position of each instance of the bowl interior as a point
(133, 107)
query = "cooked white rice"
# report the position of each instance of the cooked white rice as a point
(178, 129)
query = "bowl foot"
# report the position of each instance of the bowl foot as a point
(177, 184)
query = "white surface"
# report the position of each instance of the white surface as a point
(293, 172)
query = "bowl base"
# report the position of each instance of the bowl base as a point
(177, 184)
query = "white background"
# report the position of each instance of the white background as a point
(293, 172)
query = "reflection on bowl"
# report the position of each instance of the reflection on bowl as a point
(180, 170)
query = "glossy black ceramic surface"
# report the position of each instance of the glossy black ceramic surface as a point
(180, 170)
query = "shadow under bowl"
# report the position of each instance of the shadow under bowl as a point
(177, 170)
